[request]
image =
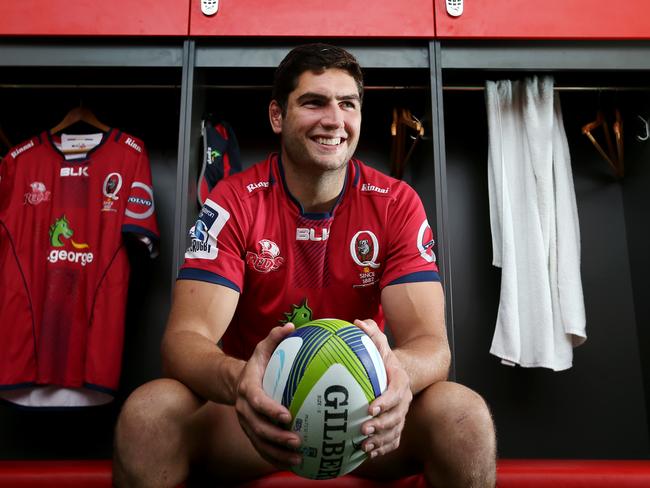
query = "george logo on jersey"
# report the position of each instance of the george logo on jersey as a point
(60, 232)
(140, 202)
(39, 194)
(267, 259)
(299, 315)
(425, 242)
(74, 171)
(110, 189)
(364, 249)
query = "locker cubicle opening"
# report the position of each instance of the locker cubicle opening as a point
(233, 82)
(598, 408)
(136, 89)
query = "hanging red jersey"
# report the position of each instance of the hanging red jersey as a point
(63, 265)
(253, 236)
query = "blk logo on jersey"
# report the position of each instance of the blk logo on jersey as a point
(110, 189)
(38, 194)
(307, 234)
(60, 233)
(267, 258)
(425, 242)
(204, 233)
(74, 171)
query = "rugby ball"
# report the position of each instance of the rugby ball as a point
(326, 373)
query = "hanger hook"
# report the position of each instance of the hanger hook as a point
(645, 124)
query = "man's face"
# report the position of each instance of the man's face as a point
(320, 129)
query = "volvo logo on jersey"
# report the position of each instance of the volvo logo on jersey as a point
(60, 233)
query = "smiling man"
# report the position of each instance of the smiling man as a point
(308, 233)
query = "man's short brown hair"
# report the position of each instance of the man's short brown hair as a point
(316, 58)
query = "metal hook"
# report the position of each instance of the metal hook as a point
(646, 126)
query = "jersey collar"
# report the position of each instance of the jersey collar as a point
(46, 137)
(351, 179)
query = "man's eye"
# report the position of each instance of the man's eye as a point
(349, 105)
(312, 103)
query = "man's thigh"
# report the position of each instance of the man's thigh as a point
(433, 430)
(221, 451)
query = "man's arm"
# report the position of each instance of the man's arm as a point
(421, 357)
(415, 313)
(201, 313)
(199, 316)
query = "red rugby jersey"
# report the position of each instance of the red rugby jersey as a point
(253, 236)
(63, 265)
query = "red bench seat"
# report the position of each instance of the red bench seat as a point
(512, 473)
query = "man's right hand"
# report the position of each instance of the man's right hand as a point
(259, 415)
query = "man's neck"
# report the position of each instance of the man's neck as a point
(317, 193)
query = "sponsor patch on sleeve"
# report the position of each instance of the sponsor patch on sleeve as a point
(140, 202)
(204, 233)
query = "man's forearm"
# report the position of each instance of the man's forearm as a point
(426, 361)
(201, 365)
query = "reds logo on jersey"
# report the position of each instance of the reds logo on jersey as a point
(38, 194)
(268, 259)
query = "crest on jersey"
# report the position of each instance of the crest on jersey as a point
(364, 249)
(110, 189)
(267, 258)
(38, 193)
(426, 242)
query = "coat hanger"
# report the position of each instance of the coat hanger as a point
(613, 157)
(645, 133)
(79, 114)
(403, 119)
(617, 127)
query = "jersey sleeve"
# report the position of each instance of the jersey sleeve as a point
(411, 256)
(217, 240)
(139, 215)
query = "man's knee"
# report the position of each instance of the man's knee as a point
(154, 407)
(461, 434)
(150, 439)
(454, 406)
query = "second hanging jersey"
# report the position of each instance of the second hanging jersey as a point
(64, 269)
(253, 236)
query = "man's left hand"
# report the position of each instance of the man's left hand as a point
(390, 408)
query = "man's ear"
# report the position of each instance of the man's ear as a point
(275, 116)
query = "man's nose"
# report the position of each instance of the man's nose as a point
(333, 116)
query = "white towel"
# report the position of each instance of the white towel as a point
(534, 222)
